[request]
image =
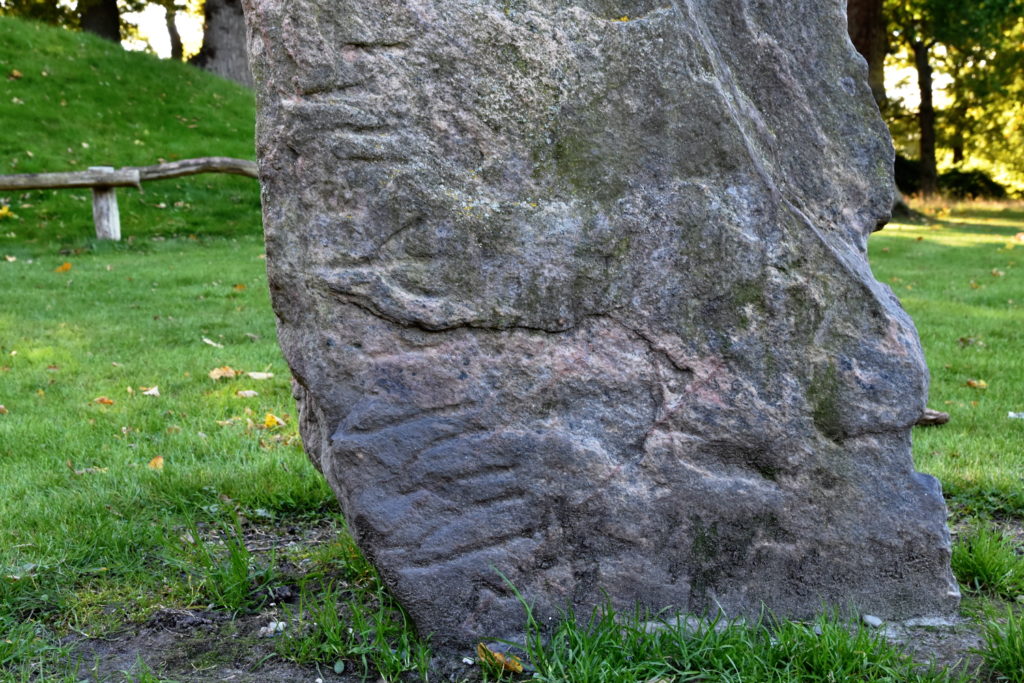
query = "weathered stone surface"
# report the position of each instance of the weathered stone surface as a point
(576, 290)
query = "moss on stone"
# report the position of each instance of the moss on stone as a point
(824, 400)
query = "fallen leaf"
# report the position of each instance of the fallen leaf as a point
(62, 268)
(150, 391)
(221, 372)
(920, 239)
(14, 75)
(498, 660)
(997, 273)
(977, 384)
(10, 259)
(3, 409)
(5, 212)
(239, 287)
(246, 393)
(1019, 237)
(271, 421)
(212, 343)
(260, 375)
(53, 368)
(103, 401)
(156, 463)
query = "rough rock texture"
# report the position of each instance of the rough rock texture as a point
(576, 290)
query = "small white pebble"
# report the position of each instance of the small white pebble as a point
(467, 661)
(872, 621)
(319, 680)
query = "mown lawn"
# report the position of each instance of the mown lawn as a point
(137, 488)
(961, 278)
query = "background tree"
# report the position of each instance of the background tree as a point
(102, 17)
(965, 41)
(171, 9)
(867, 26)
(224, 50)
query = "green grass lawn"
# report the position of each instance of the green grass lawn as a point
(961, 278)
(118, 503)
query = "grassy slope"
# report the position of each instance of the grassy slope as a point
(82, 102)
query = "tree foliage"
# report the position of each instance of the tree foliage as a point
(977, 47)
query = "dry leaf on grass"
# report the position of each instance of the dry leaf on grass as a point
(224, 371)
(156, 463)
(246, 393)
(271, 421)
(150, 391)
(103, 401)
(62, 268)
(977, 384)
(260, 375)
(3, 409)
(498, 660)
(207, 340)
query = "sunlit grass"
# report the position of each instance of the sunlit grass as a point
(964, 287)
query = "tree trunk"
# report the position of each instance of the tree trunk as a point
(866, 24)
(101, 17)
(926, 120)
(224, 51)
(177, 52)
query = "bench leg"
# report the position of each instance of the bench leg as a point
(104, 210)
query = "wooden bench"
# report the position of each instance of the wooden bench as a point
(105, 179)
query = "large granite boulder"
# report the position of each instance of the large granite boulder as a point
(576, 291)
